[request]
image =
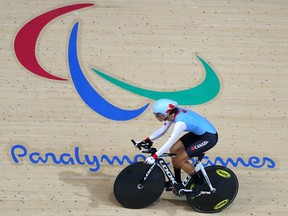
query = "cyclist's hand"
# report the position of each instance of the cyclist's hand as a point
(147, 143)
(151, 160)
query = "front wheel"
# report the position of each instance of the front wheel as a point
(223, 180)
(130, 193)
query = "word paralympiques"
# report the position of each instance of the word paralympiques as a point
(19, 153)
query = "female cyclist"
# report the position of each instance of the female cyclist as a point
(201, 136)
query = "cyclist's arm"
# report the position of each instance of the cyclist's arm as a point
(178, 128)
(158, 133)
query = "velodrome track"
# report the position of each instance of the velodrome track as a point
(152, 45)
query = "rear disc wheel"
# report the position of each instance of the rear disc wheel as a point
(226, 184)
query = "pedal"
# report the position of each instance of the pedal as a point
(168, 189)
(168, 186)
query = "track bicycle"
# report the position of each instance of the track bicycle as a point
(139, 184)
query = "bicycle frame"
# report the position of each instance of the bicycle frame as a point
(198, 167)
(164, 167)
(161, 162)
(168, 172)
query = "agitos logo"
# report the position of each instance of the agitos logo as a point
(25, 46)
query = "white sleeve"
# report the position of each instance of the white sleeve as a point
(178, 128)
(158, 133)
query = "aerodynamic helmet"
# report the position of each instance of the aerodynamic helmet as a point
(164, 106)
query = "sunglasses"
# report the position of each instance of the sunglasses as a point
(158, 114)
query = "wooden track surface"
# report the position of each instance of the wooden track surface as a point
(151, 44)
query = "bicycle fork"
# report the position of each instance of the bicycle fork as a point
(140, 185)
(164, 166)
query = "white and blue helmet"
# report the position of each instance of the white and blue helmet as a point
(164, 106)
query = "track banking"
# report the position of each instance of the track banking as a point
(77, 157)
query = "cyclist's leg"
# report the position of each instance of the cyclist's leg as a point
(194, 145)
(177, 147)
(182, 160)
(182, 157)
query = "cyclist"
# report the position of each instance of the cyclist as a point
(201, 137)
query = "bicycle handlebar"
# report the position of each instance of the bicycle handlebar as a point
(149, 150)
(143, 145)
(135, 144)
